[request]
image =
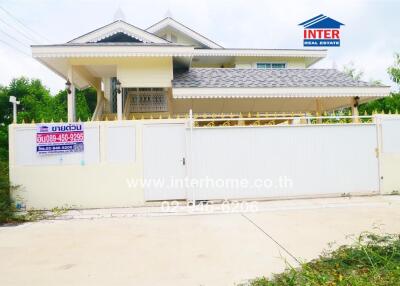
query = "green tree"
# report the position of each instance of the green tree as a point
(394, 70)
(90, 94)
(85, 104)
(388, 104)
(351, 70)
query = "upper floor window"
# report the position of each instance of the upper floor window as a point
(271, 65)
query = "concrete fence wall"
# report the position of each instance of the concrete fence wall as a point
(318, 160)
(389, 147)
(91, 179)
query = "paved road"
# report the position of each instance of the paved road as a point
(143, 246)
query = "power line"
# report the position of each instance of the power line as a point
(15, 39)
(16, 19)
(14, 47)
(20, 31)
(274, 240)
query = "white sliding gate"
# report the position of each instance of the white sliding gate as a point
(283, 161)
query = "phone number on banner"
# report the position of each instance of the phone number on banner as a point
(60, 137)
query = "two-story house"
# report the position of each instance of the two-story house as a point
(169, 69)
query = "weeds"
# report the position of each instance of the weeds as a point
(372, 260)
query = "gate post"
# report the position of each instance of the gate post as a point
(378, 151)
(191, 123)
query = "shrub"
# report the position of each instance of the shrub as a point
(372, 260)
(6, 212)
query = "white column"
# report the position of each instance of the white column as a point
(71, 105)
(71, 99)
(354, 110)
(318, 111)
(119, 104)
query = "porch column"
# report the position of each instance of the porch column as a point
(354, 109)
(318, 111)
(71, 114)
(119, 100)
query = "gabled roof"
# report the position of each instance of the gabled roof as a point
(321, 22)
(116, 27)
(169, 22)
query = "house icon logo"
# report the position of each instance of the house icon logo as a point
(321, 31)
(43, 128)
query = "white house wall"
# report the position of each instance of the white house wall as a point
(146, 72)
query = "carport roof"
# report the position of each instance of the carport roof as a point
(265, 78)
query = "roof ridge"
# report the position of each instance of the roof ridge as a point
(188, 28)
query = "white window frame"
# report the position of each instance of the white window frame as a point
(271, 63)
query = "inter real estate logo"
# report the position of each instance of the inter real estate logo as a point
(321, 31)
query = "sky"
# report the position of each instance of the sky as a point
(369, 39)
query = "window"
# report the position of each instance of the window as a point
(147, 100)
(271, 65)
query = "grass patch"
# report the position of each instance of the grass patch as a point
(372, 260)
(16, 217)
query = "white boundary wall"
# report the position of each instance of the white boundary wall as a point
(319, 160)
(389, 141)
(92, 179)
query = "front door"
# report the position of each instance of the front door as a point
(164, 148)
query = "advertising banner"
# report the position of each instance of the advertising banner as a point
(59, 138)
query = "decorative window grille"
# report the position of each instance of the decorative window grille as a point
(147, 100)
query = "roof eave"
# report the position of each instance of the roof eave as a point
(65, 51)
(294, 92)
(304, 53)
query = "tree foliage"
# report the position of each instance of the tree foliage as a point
(394, 70)
(351, 70)
(390, 104)
(38, 104)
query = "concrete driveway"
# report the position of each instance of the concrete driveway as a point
(146, 246)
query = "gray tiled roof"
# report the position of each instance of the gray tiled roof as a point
(260, 78)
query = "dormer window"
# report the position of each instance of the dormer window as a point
(271, 65)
